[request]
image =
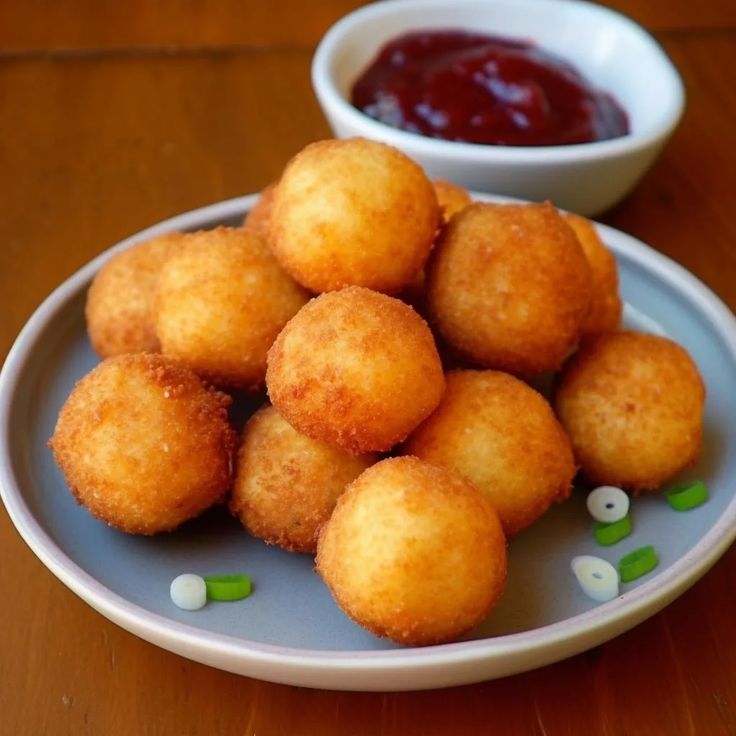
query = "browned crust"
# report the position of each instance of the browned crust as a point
(259, 218)
(356, 369)
(119, 306)
(378, 236)
(632, 405)
(143, 445)
(451, 198)
(409, 606)
(221, 302)
(606, 306)
(508, 287)
(286, 485)
(503, 436)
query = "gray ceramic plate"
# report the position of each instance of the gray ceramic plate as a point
(290, 630)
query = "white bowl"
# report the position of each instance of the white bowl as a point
(613, 52)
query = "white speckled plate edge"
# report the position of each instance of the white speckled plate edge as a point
(403, 669)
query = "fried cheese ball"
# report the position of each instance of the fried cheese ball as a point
(220, 303)
(413, 293)
(508, 287)
(356, 369)
(605, 310)
(259, 218)
(119, 308)
(143, 445)
(632, 405)
(451, 198)
(286, 485)
(413, 552)
(353, 212)
(502, 436)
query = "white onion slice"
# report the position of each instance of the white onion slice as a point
(607, 504)
(188, 592)
(598, 578)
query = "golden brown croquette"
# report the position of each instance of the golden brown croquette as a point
(632, 404)
(353, 212)
(259, 218)
(356, 369)
(508, 286)
(286, 485)
(220, 303)
(119, 307)
(503, 436)
(451, 198)
(604, 314)
(413, 552)
(143, 445)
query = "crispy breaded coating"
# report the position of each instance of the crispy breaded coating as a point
(632, 404)
(353, 212)
(119, 308)
(413, 552)
(356, 369)
(508, 286)
(259, 218)
(604, 314)
(414, 293)
(451, 198)
(220, 303)
(286, 485)
(143, 445)
(502, 436)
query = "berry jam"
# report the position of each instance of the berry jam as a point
(471, 87)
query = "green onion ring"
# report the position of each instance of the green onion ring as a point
(607, 534)
(232, 587)
(637, 563)
(684, 498)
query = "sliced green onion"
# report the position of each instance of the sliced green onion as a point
(608, 534)
(684, 498)
(637, 563)
(232, 587)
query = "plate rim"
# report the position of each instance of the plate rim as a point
(445, 664)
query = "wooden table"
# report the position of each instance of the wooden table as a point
(116, 115)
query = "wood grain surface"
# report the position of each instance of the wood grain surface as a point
(116, 115)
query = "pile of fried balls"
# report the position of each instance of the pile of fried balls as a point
(396, 326)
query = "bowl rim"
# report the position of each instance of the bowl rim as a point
(341, 669)
(332, 100)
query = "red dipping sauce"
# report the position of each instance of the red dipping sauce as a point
(470, 87)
